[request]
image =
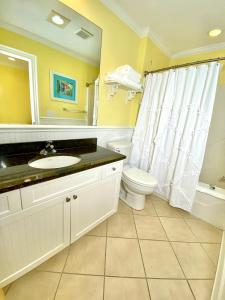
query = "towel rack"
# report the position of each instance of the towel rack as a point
(74, 110)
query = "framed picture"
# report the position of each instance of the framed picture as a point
(63, 88)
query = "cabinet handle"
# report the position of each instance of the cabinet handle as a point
(114, 169)
(67, 199)
(74, 197)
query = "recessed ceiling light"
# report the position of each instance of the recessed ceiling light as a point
(215, 32)
(11, 58)
(57, 20)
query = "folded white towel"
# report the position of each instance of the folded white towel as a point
(121, 79)
(129, 72)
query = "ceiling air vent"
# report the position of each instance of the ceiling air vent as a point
(83, 33)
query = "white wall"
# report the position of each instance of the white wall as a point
(214, 161)
(31, 133)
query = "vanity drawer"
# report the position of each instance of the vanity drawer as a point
(111, 169)
(10, 203)
(38, 193)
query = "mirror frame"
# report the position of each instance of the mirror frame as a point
(33, 83)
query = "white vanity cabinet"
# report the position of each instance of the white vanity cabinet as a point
(93, 204)
(39, 193)
(49, 216)
(10, 203)
(31, 236)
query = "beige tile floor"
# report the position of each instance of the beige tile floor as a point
(160, 253)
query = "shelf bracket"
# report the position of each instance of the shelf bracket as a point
(131, 95)
(112, 90)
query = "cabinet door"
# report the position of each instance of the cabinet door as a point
(30, 237)
(92, 205)
(10, 203)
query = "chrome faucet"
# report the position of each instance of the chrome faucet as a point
(49, 148)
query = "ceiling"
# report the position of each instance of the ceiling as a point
(29, 17)
(18, 63)
(175, 25)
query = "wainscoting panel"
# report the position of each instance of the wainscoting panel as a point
(31, 133)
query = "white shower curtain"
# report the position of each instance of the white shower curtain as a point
(172, 127)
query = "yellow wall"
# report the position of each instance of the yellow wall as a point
(14, 95)
(51, 59)
(150, 58)
(120, 45)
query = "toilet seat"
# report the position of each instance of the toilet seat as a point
(139, 176)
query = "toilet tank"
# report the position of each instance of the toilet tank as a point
(122, 147)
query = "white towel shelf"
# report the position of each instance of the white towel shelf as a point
(116, 84)
(126, 86)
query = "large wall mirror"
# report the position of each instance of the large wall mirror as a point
(49, 64)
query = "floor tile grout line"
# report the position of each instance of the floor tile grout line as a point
(131, 277)
(191, 229)
(171, 245)
(205, 222)
(106, 241)
(155, 208)
(181, 266)
(146, 279)
(172, 248)
(197, 240)
(197, 236)
(129, 218)
(178, 241)
(57, 286)
(180, 216)
(208, 254)
(151, 239)
(188, 283)
(185, 223)
(62, 272)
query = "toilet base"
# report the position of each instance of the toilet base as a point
(133, 200)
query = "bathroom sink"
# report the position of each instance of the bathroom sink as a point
(54, 162)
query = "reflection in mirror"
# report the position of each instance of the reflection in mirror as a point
(67, 50)
(14, 90)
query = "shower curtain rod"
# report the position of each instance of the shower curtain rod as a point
(185, 65)
(89, 83)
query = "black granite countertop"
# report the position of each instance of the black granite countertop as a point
(16, 173)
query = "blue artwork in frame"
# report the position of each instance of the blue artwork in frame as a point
(63, 88)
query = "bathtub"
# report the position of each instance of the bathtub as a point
(209, 205)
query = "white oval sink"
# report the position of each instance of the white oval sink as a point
(54, 162)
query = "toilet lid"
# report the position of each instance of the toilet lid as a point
(139, 176)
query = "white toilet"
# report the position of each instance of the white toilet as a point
(136, 183)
